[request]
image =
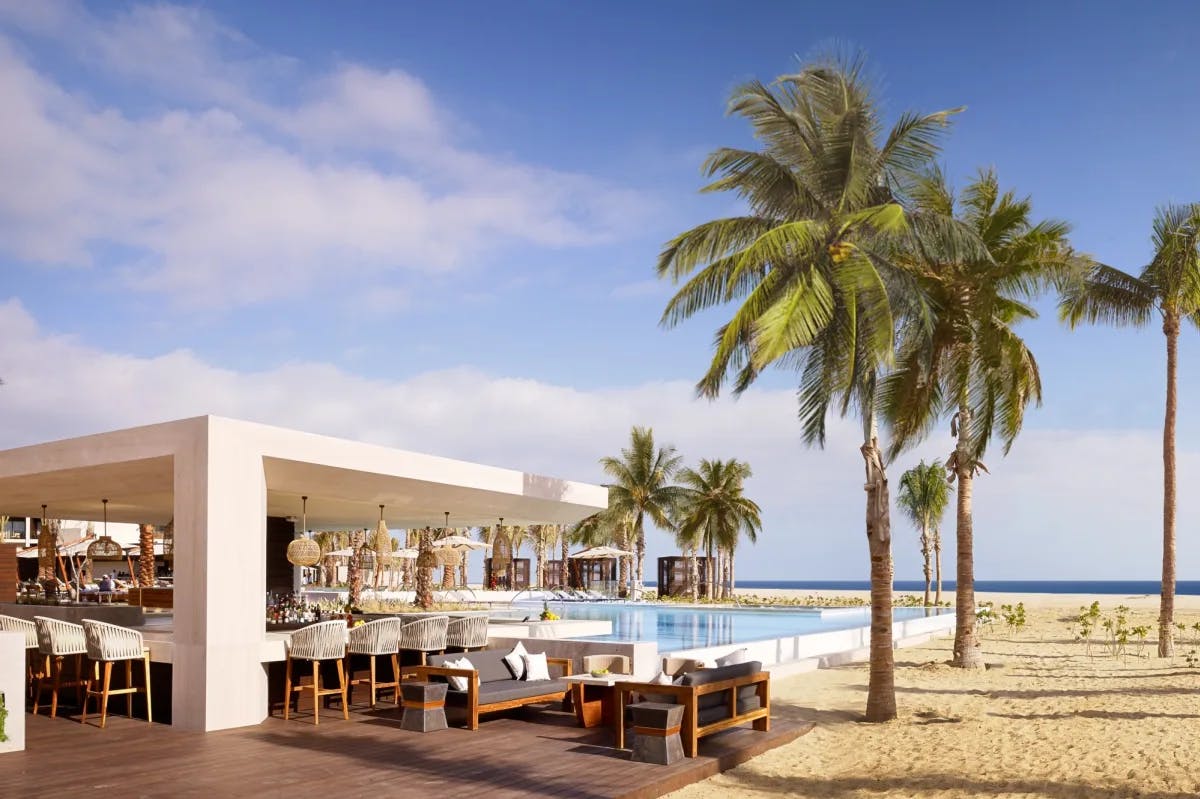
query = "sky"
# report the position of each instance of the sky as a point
(434, 226)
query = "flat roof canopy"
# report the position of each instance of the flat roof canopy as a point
(345, 482)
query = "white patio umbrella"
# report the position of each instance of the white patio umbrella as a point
(403, 554)
(600, 553)
(460, 542)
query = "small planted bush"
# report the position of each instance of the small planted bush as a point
(1013, 617)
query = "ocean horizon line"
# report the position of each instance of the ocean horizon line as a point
(1140, 587)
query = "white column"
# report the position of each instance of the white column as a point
(12, 685)
(218, 679)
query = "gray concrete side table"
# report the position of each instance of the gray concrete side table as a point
(656, 733)
(424, 706)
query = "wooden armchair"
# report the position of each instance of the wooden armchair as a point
(704, 710)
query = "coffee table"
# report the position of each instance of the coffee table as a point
(606, 709)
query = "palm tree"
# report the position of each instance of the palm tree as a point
(427, 561)
(715, 511)
(642, 487)
(1170, 285)
(807, 265)
(924, 495)
(961, 357)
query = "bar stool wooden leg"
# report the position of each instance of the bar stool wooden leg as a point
(316, 692)
(372, 682)
(87, 691)
(396, 676)
(58, 664)
(149, 714)
(287, 689)
(129, 684)
(342, 680)
(104, 693)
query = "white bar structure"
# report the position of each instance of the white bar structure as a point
(219, 479)
(12, 685)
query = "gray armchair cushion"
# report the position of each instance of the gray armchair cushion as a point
(710, 714)
(721, 698)
(507, 691)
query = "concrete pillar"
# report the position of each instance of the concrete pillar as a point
(12, 685)
(218, 679)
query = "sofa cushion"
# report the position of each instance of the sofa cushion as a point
(509, 690)
(706, 716)
(706, 676)
(488, 662)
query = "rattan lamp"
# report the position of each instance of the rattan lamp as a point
(303, 551)
(104, 548)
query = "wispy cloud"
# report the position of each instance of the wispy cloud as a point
(1083, 503)
(227, 195)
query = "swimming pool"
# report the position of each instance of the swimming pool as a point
(692, 628)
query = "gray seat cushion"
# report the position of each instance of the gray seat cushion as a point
(488, 662)
(709, 715)
(508, 690)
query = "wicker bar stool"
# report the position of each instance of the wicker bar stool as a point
(35, 661)
(379, 638)
(58, 640)
(108, 644)
(325, 640)
(467, 633)
(425, 635)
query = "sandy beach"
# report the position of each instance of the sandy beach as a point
(1046, 719)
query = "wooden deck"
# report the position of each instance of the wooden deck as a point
(524, 753)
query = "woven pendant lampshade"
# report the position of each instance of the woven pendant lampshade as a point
(303, 551)
(104, 548)
(501, 549)
(381, 541)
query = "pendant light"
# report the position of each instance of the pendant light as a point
(303, 551)
(104, 548)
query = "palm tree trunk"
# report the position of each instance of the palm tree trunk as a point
(564, 567)
(693, 575)
(925, 554)
(732, 585)
(425, 560)
(967, 652)
(881, 688)
(726, 573)
(709, 572)
(937, 563)
(145, 575)
(539, 551)
(1166, 615)
(639, 532)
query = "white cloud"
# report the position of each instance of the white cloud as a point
(1082, 504)
(224, 194)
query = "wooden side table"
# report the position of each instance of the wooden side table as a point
(424, 705)
(656, 733)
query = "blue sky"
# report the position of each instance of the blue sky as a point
(436, 227)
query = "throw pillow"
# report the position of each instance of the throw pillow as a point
(515, 660)
(536, 667)
(662, 678)
(733, 658)
(456, 682)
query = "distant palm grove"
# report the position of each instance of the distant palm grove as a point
(897, 300)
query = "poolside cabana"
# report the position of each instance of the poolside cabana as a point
(229, 487)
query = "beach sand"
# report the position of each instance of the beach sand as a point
(1046, 720)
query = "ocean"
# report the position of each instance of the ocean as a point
(1126, 587)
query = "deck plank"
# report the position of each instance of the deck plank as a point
(521, 754)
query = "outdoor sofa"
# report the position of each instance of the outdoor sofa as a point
(490, 685)
(713, 699)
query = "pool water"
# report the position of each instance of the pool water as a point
(690, 628)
